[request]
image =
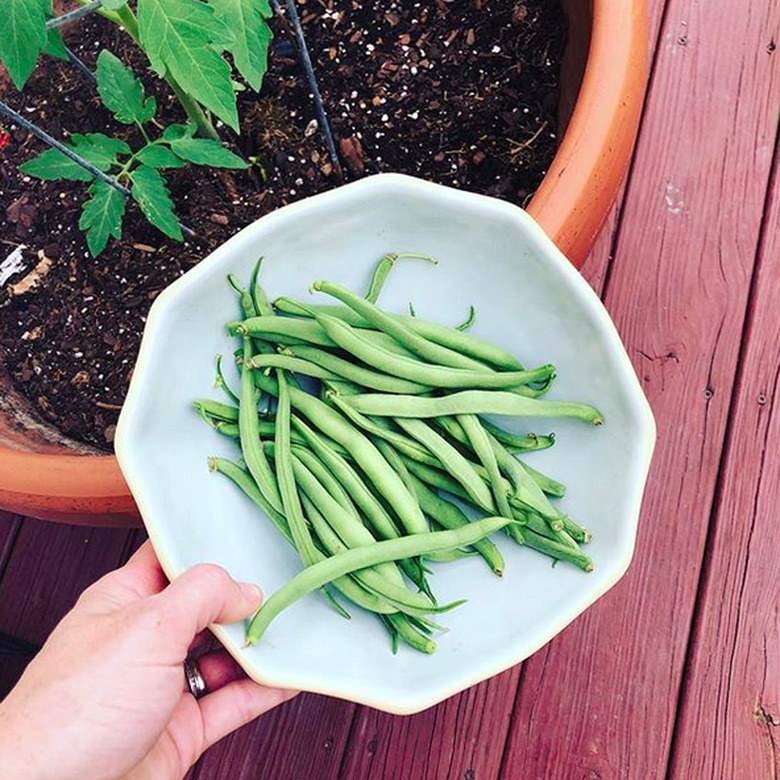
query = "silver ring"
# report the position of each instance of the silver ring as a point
(194, 678)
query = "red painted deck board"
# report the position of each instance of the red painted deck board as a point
(678, 291)
(734, 666)
(676, 670)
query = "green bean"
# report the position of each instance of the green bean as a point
(360, 558)
(395, 461)
(474, 347)
(549, 485)
(466, 324)
(207, 408)
(333, 424)
(245, 482)
(361, 375)
(470, 402)
(327, 480)
(251, 447)
(290, 363)
(530, 441)
(522, 486)
(244, 298)
(375, 513)
(375, 427)
(480, 445)
(404, 335)
(348, 585)
(410, 635)
(454, 463)
(383, 269)
(272, 326)
(221, 383)
(556, 550)
(259, 298)
(383, 578)
(285, 330)
(288, 489)
(355, 342)
(577, 532)
(451, 516)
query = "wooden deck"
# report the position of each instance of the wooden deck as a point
(676, 672)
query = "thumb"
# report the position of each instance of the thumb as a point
(203, 595)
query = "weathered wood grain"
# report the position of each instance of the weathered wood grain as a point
(730, 709)
(461, 738)
(678, 292)
(49, 566)
(9, 529)
(304, 738)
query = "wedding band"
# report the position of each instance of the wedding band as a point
(195, 681)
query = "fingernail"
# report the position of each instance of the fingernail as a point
(252, 592)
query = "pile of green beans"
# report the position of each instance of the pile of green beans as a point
(363, 438)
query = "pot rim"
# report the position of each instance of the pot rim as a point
(571, 205)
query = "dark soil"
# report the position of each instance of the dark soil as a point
(459, 92)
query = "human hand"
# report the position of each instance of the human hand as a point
(105, 698)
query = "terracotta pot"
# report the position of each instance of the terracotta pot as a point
(605, 67)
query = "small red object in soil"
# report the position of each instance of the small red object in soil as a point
(5, 138)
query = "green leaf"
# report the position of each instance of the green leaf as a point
(101, 216)
(52, 164)
(113, 5)
(99, 149)
(151, 193)
(22, 36)
(121, 92)
(159, 157)
(202, 151)
(177, 36)
(174, 132)
(54, 45)
(251, 36)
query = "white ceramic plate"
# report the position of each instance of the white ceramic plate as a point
(528, 298)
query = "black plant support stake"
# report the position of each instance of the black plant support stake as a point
(308, 68)
(81, 65)
(72, 16)
(6, 110)
(54, 143)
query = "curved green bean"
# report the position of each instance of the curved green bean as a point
(450, 516)
(355, 342)
(375, 427)
(353, 591)
(383, 268)
(549, 485)
(519, 442)
(470, 402)
(288, 490)
(365, 377)
(383, 578)
(404, 335)
(327, 480)
(453, 462)
(333, 424)
(410, 634)
(259, 298)
(251, 446)
(476, 348)
(469, 321)
(360, 558)
(480, 445)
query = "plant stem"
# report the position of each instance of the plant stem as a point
(194, 112)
